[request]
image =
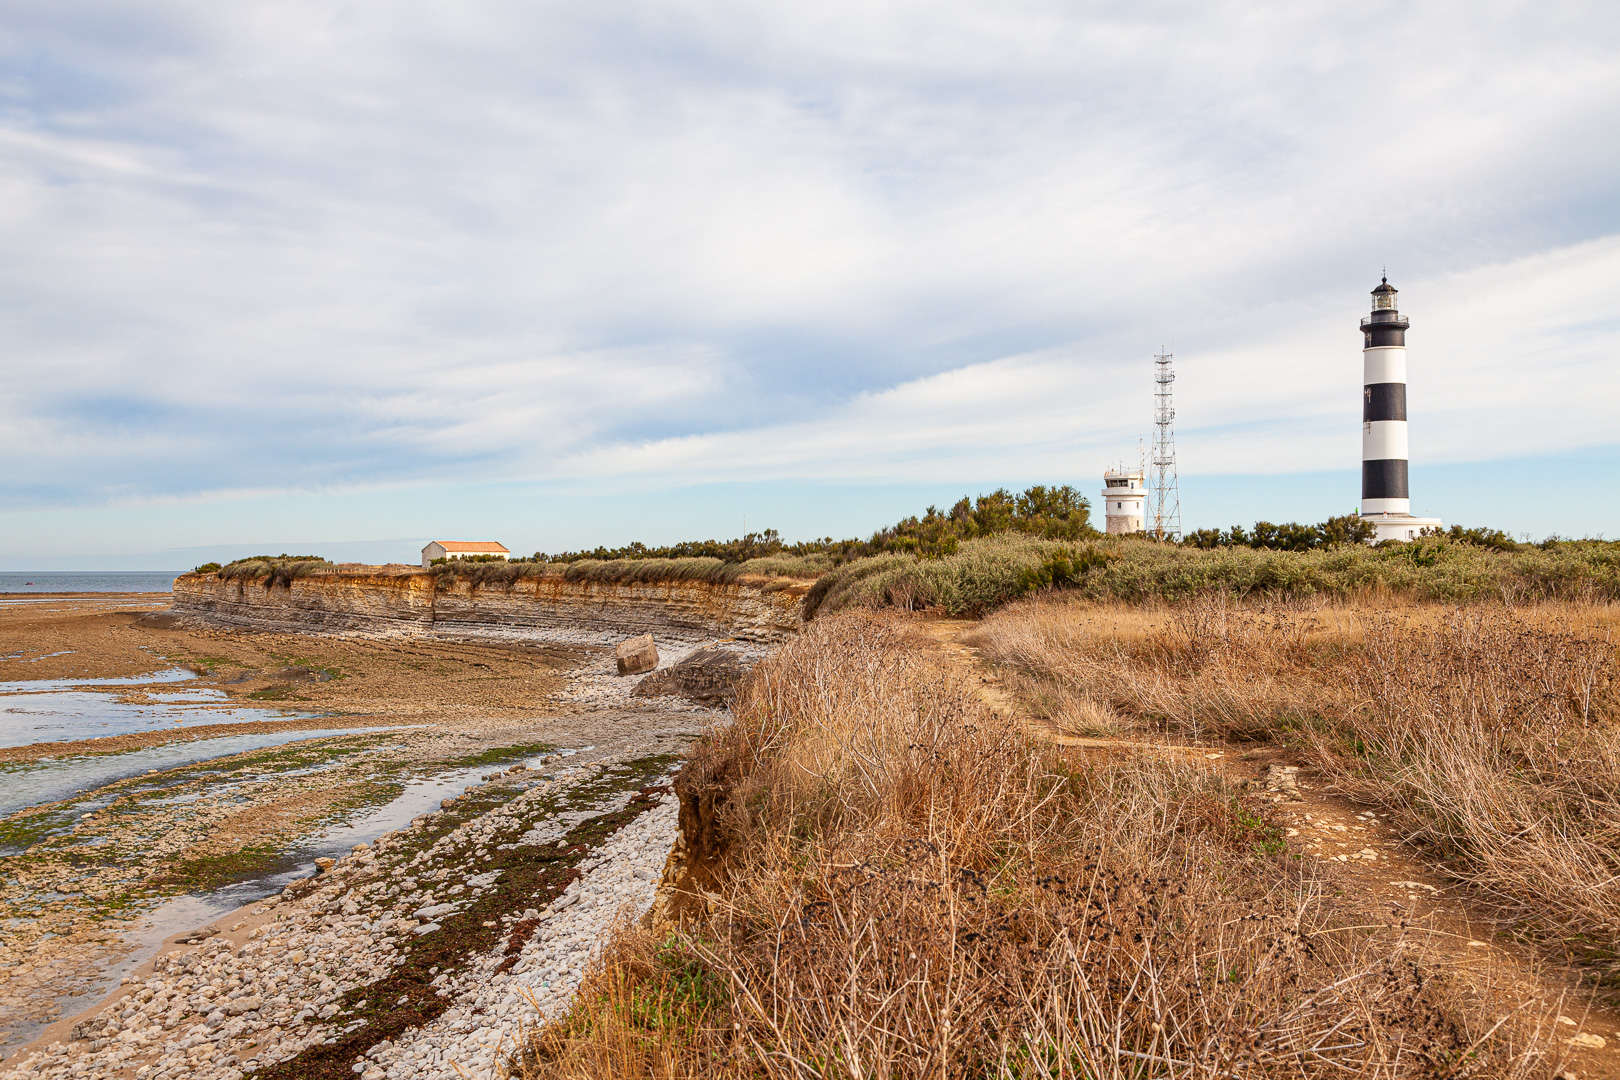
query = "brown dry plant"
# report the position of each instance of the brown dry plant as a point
(887, 879)
(1491, 735)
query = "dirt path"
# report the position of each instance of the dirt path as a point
(1372, 867)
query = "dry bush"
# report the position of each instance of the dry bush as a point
(895, 883)
(1071, 711)
(1491, 735)
(1497, 742)
(1207, 669)
(504, 574)
(274, 570)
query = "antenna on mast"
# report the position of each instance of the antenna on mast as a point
(1166, 493)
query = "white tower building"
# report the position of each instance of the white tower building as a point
(1385, 497)
(1124, 493)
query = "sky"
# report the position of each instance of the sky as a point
(360, 275)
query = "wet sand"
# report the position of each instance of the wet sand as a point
(364, 681)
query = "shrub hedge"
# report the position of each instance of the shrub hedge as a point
(986, 573)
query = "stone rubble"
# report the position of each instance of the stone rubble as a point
(218, 1010)
(636, 655)
(596, 684)
(492, 1011)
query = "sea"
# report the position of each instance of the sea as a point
(87, 581)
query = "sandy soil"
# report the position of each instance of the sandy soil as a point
(364, 681)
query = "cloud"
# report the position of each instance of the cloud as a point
(291, 247)
(1499, 357)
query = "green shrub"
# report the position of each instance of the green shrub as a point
(1491, 538)
(1050, 513)
(1344, 529)
(984, 574)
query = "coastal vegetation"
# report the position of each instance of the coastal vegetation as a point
(970, 576)
(1345, 529)
(1052, 513)
(988, 573)
(985, 553)
(271, 569)
(1040, 512)
(615, 571)
(1491, 736)
(884, 878)
(988, 551)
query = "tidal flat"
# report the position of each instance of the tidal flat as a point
(234, 760)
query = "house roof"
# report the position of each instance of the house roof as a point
(488, 547)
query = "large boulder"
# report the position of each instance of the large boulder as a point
(637, 655)
(708, 675)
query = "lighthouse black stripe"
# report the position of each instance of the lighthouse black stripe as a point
(1377, 337)
(1384, 401)
(1384, 479)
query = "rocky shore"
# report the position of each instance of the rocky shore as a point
(425, 954)
(409, 602)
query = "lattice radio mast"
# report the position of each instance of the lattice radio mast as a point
(1166, 495)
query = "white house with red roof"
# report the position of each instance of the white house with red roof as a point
(455, 549)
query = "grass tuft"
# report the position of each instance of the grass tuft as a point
(1491, 736)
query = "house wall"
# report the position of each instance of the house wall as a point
(436, 550)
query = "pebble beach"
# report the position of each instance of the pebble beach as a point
(430, 950)
(280, 977)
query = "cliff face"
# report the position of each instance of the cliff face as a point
(409, 604)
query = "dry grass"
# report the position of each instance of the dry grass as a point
(607, 571)
(888, 881)
(1491, 735)
(618, 571)
(280, 570)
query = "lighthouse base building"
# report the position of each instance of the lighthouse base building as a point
(1386, 502)
(1399, 526)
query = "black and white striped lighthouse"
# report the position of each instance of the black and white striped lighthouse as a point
(1386, 500)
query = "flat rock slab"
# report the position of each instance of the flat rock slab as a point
(637, 655)
(708, 675)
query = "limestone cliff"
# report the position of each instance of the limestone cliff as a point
(390, 601)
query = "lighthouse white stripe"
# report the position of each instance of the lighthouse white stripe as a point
(1386, 506)
(1386, 364)
(1382, 439)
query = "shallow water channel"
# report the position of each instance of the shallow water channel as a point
(55, 779)
(421, 794)
(64, 710)
(59, 799)
(68, 710)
